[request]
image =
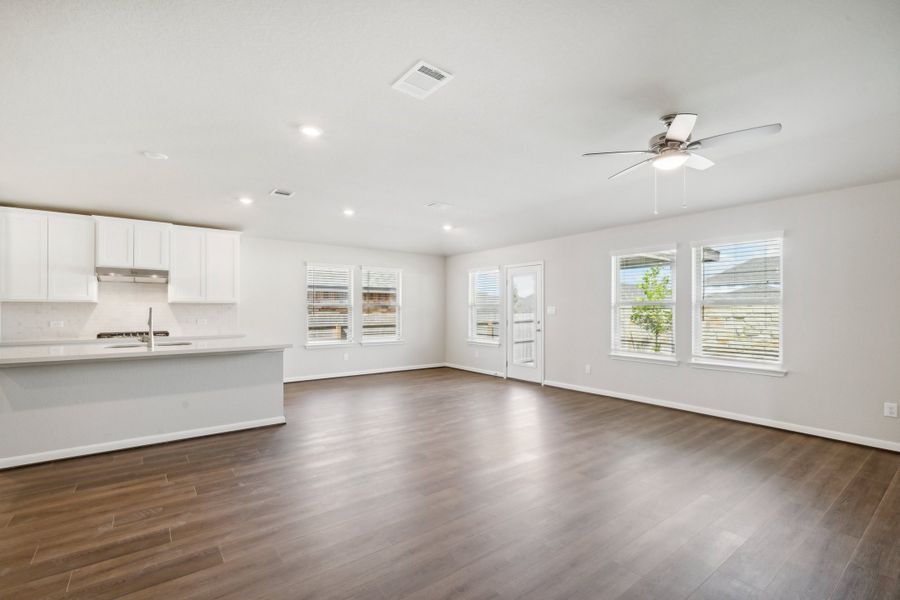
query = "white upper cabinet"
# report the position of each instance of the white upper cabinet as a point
(132, 244)
(71, 276)
(115, 242)
(46, 257)
(205, 265)
(23, 255)
(151, 245)
(187, 279)
(223, 266)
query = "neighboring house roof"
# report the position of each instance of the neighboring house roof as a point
(761, 270)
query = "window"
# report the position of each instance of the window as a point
(329, 304)
(380, 304)
(643, 315)
(484, 306)
(737, 301)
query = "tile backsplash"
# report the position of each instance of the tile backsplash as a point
(121, 307)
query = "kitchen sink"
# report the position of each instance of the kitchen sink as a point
(143, 345)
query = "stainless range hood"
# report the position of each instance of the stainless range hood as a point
(132, 275)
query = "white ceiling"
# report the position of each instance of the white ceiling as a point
(221, 86)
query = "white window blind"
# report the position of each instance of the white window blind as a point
(380, 304)
(737, 301)
(329, 303)
(484, 306)
(643, 303)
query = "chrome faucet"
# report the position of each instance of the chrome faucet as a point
(150, 339)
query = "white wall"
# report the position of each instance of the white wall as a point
(841, 312)
(120, 307)
(273, 305)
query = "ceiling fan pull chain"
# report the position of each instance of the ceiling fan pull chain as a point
(683, 187)
(655, 194)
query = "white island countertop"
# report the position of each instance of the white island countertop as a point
(105, 350)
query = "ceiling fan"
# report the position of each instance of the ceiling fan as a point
(674, 148)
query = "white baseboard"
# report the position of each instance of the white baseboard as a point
(474, 370)
(296, 379)
(825, 433)
(39, 457)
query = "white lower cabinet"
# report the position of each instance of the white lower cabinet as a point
(204, 266)
(46, 256)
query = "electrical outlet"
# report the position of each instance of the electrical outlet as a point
(551, 310)
(587, 369)
(202, 321)
(890, 409)
(57, 324)
(346, 356)
(476, 353)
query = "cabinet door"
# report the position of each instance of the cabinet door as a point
(115, 242)
(187, 265)
(71, 274)
(223, 260)
(23, 255)
(151, 245)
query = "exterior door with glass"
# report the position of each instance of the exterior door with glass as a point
(525, 328)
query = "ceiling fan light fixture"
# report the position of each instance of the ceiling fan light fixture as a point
(668, 161)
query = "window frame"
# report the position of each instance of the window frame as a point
(472, 337)
(351, 306)
(750, 365)
(614, 350)
(399, 305)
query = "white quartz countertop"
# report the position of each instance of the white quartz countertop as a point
(104, 350)
(93, 340)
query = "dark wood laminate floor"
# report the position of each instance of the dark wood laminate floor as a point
(444, 484)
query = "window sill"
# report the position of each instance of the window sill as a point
(381, 342)
(754, 369)
(483, 343)
(669, 361)
(320, 345)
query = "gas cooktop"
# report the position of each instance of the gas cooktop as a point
(129, 334)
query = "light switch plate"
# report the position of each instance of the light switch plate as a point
(890, 409)
(57, 324)
(551, 310)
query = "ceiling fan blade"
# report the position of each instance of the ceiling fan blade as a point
(631, 168)
(716, 140)
(681, 127)
(618, 152)
(701, 163)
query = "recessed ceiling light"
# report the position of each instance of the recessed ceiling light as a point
(349, 212)
(155, 155)
(448, 227)
(311, 131)
(245, 200)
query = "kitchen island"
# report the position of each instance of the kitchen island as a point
(64, 400)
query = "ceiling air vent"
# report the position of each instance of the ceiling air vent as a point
(281, 193)
(422, 80)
